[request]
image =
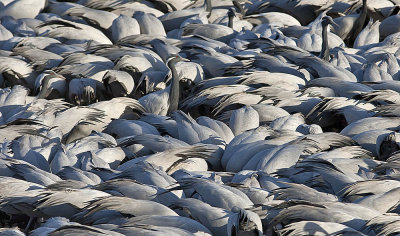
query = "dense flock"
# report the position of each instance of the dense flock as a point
(215, 117)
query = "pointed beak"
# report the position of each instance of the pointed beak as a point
(247, 1)
(335, 25)
(240, 2)
(184, 59)
(332, 22)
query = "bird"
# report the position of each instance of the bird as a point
(173, 20)
(23, 9)
(177, 117)
(369, 35)
(388, 25)
(351, 25)
(149, 24)
(168, 98)
(325, 46)
(119, 29)
(173, 98)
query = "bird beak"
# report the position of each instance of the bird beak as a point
(247, 1)
(184, 59)
(335, 25)
(241, 2)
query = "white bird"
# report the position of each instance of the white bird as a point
(113, 207)
(149, 24)
(342, 88)
(119, 29)
(219, 127)
(214, 218)
(372, 140)
(50, 85)
(171, 221)
(350, 26)
(133, 189)
(213, 31)
(74, 31)
(369, 35)
(222, 196)
(71, 173)
(83, 229)
(150, 174)
(244, 119)
(389, 25)
(191, 132)
(99, 18)
(255, 135)
(123, 128)
(23, 9)
(168, 98)
(316, 40)
(279, 19)
(316, 227)
(384, 224)
(370, 123)
(174, 19)
(118, 83)
(176, 157)
(11, 231)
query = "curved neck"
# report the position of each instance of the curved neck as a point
(325, 46)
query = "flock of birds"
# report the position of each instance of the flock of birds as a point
(181, 117)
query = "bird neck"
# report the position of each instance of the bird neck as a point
(208, 5)
(325, 46)
(395, 11)
(364, 9)
(362, 17)
(358, 24)
(239, 6)
(230, 21)
(174, 90)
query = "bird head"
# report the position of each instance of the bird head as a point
(326, 20)
(173, 59)
(231, 12)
